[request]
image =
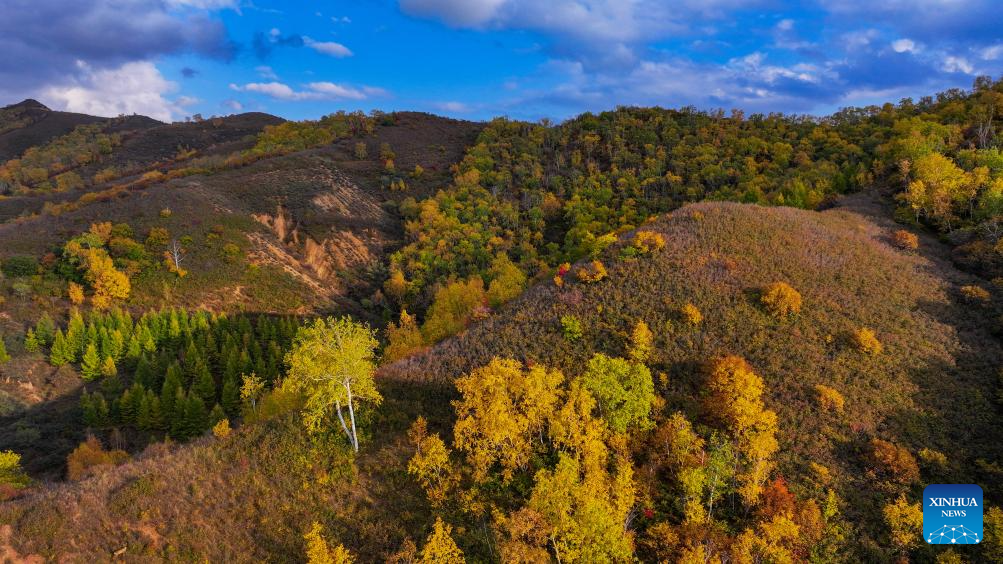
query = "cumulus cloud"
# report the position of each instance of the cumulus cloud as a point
(65, 53)
(904, 46)
(311, 91)
(328, 47)
(266, 72)
(133, 88)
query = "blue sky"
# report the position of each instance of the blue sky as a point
(476, 59)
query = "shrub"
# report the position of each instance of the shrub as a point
(89, 457)
(360, 150)
(829, 399)
(222, 429)
(905, 240)
(572, 327)
(866, 342)
(75, 292)
(454, 306)
(648, 241)
(691, 314)
(591, 272)
(975, 294)
(19, 266)
(158, 236)
(12, 477)
(781, 300)
(892, 462)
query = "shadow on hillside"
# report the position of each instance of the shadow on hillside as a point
(45, 433)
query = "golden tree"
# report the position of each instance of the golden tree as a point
(734, 398)
(430, 464)
(403, 339)
(332, 363)
(905, 523)
(641, 340)
(501, 409)
(781, 300)
(440, 548)
(318, 551)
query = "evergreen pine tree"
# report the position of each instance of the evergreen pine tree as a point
(89, 410)
(76, 334)
(90, 365)
(45, 329)
(108, 367)
(204, 384)
(59, 354)
(169, 394)
(231, 397)
(143, 373)
(101, 409)
(111, 385)
(179, 415)
(143, 413)
(196, 416)
(216, 415)
(30, 341)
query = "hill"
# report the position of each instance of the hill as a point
(928, 391)
(30, 123)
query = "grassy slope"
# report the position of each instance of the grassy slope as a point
(37, 125)
(326, 194)
(930, 388)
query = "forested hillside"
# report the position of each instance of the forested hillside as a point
(397, 337)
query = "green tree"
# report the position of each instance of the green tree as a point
(4, 357)
(31, 343)
(332, 363)
(60, 354)
(507, 281)
(624, 390)
(108, 367)
(90, 365)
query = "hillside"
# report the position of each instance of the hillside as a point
(929, 388)
(29, 123)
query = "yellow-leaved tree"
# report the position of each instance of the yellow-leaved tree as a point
(318, 551)
(734, 399)
(440, 548)
(502, 408)
(331, 363)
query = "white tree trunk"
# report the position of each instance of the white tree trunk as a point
(351, 414)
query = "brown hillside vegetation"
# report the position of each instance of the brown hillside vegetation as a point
(30, 123)
(252, 496)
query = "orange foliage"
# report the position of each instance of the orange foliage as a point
(89, 457)
(905, 240)
(781, 300)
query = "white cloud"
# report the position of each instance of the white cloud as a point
(328, 47)
(455, 12)
(597, 20)
(313, 91)
(785, 25)
(957, 64)
(204, 4)
(233, 105)
(453, 107)
(992, 53)
(266, 72)
(904, 45)
(185, 101)
(136, 87)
